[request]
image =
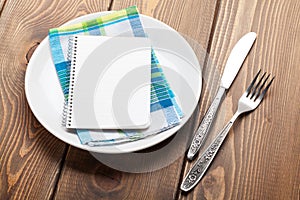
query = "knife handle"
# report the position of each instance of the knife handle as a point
(201, 165)
(205, 125)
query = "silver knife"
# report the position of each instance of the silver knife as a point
(234, 63)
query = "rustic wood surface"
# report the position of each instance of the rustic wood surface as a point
(260, 159)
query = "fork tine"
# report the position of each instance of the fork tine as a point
(265, 90)
(260, 88)
(252, 83)
(257, 86)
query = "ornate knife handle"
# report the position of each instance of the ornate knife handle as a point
(205, 125)
(201, 165)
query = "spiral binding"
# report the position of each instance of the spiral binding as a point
(71, 56)
(64, 114)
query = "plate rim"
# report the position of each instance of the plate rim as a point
(117, 149)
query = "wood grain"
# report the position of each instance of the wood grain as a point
(91, 179)
(31, 157)
(2, 3)
(160, 184)
(260, 158)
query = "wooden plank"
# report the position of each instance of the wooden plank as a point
(260, 158)
(30, 156)
(2, 3)
(91, 179)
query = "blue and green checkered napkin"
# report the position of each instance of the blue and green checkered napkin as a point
(165, 112)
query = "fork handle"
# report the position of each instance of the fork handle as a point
(202, 164)
(205, 125)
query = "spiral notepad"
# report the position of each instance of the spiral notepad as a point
(109, 83)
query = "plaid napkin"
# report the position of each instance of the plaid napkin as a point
(165, 112)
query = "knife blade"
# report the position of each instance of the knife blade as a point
(233, 64)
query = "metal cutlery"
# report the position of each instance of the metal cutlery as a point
(249, 101)
(234, 63)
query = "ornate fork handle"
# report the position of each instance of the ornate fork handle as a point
(249, 101)
(205, 125)
(201, 165)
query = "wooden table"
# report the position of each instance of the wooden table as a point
(260, 159)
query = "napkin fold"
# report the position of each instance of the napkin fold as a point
(165, 111)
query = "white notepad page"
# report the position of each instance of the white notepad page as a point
(110, 83)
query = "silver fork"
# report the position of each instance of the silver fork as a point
(248, 102)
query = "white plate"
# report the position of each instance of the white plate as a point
(177, 58)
